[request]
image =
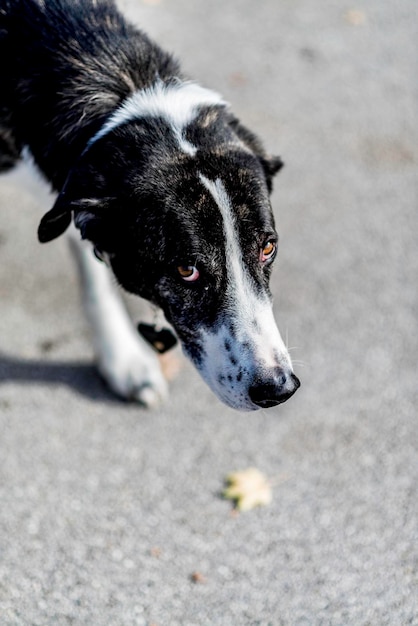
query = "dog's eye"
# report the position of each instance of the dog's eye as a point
(268, 252)
(190, 273)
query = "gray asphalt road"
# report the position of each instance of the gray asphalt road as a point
(107, 510)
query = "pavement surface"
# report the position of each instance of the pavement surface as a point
(110, 514)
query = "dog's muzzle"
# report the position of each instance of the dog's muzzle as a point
(242, 376)
(270, 391)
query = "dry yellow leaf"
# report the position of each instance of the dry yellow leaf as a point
(248, 488)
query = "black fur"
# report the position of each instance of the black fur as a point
(64, 69)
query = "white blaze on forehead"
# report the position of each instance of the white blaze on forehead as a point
(250, 311)
(177, 103)
(238, 279)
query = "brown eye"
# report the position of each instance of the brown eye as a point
(267, 253)
(188, 272)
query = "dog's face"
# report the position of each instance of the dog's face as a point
(188, 225)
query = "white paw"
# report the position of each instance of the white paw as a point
(133, 373)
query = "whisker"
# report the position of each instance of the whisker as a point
(298, 363)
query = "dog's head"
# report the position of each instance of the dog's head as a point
(177, 197)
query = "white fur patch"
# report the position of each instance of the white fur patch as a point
(177, 103)
(255, 344)
(240, 293)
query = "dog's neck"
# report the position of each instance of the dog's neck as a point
(176, 102)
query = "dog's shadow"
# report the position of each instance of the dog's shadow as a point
(81, 377)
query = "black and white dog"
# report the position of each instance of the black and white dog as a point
(163, 180)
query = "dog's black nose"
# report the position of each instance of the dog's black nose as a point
(269, 392)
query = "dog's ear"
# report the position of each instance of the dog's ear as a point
(88, 218)
(271, 164)
(76, 198)
(56, 221)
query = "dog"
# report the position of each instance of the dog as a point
(156, 175)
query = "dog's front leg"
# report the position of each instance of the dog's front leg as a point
(128, 365)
